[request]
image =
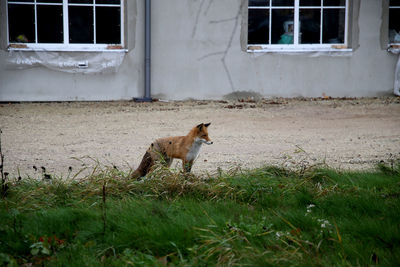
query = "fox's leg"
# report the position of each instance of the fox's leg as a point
(162, 158)
(168, 161)
(187, 165)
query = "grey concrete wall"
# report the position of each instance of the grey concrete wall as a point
(43, 84)
(202, 56)
(198, 52)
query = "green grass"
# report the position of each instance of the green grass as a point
(263, 217)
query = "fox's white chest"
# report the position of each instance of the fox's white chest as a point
(194, 150)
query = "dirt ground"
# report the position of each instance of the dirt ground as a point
(346, 134)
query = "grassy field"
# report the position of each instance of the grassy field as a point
(264, 217)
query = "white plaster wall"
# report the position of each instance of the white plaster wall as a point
(196, 53)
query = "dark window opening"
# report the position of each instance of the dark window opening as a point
(319, 22)
(50, 1)
(310, 26)
(258, 32)
(80, 1)
(394, 22)
(81, 28)
(334, 2)
(21, 23)
(50, 24)
(113, 2)
(108, 25)
(258, 2)
(42, 22)
(310, 2)
(333, 26)
(282, 26)
(283, 3)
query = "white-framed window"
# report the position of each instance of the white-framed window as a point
(394, 22)
(65, 25)
(298, 25)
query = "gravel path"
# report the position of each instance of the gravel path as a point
(346, 134)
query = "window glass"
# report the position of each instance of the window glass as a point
(108, 2)
(50, 24)
(394, 25)
(283, 3)
(310, 26)
(80, 1)
(334, 2)
(320, 24)
(21, 21)
(394, 3)
(258, 32)
(41, 22)
(50, 1)
(310, 2)
(282, 26)
(333, 26)
(258, 2)
(108, 25)
(81, 24)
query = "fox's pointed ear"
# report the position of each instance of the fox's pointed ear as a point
(200, 126)
(207, 124)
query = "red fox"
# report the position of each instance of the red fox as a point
(166, 149)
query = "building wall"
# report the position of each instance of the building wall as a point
(44, 84)
(198, 51)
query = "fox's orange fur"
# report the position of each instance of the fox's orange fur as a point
(164, 150)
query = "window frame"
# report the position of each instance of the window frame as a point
(66, 45)
(296, 47)
(388, 29)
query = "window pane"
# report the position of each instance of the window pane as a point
(333, 26)
(310, 2)
(258, 2)
(310, 24)
(21, 23)
(114, 2)
(50, 24)
(80, 1)
(24, 1)
(108, 25)
(258, 26)
(282, 26)
(394, 3)
(81, 24)
(394, 25)
(49, 1)
(334, 2)
(283, 2)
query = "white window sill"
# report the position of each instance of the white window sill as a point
(297, 49)
(66, 48)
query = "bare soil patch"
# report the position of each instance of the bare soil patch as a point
(347, 133)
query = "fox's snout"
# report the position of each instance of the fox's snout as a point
(206, 141)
